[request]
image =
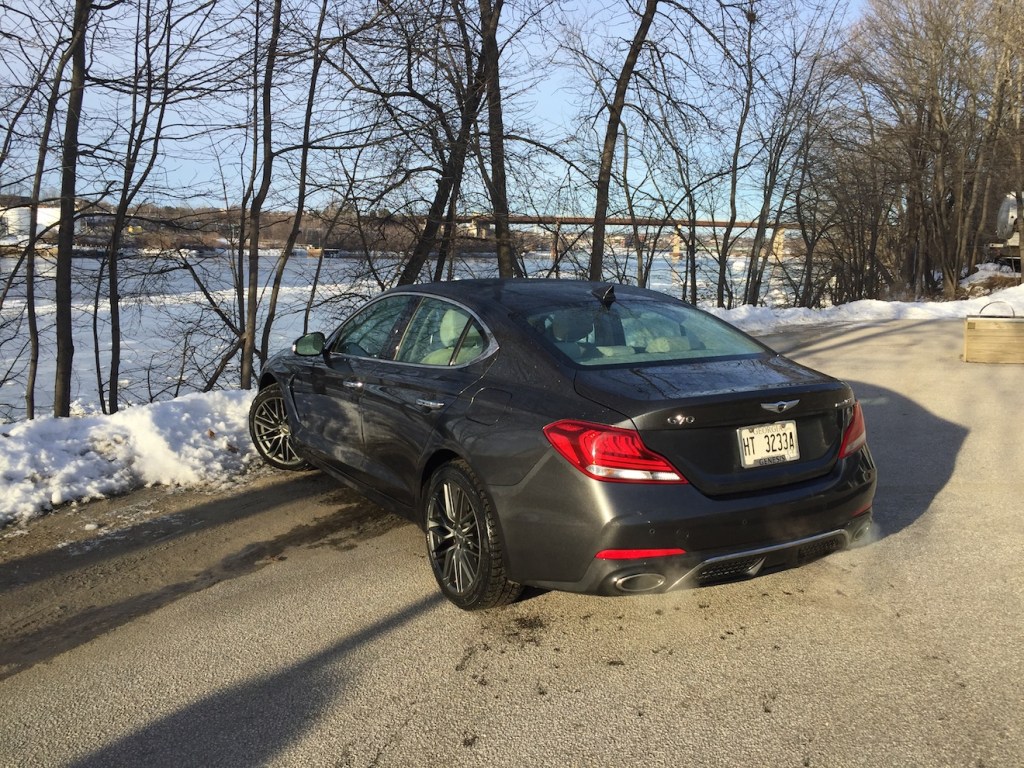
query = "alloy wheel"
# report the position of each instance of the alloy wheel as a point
(453, 536)
(271, 434)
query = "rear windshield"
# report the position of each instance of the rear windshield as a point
(635, 330)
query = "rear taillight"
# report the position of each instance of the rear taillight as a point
(610, 453)
(855, 436)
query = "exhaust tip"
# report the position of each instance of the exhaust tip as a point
(864, 534)
(640, 582)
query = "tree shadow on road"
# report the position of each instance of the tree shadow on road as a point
(21, 648)
(252, 722)
(158, 530)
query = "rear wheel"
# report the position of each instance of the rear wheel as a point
(270, 431)
(462, 541)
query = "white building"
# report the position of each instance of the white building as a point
(14, 222)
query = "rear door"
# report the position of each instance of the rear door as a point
(444, 349)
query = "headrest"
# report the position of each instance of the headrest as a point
(571, 324)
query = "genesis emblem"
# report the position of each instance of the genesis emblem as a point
(780, 407)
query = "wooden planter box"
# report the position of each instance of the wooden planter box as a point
(993, 338)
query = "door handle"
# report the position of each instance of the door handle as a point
(432, 405)
(353, 384)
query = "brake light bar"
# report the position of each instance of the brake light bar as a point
(637, 554)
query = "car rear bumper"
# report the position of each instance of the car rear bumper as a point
(556, 522)
(663, 574)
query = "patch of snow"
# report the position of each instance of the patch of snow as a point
(191, 440)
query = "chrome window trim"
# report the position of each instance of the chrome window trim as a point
(490, 348)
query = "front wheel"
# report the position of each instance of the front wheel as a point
(462, 541)
(270, 432)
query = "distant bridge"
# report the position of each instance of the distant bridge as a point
(588, 221)
(480, 222)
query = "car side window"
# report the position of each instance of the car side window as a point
(440, 333)
(375, 331)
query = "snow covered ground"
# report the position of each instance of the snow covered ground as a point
(202, 439)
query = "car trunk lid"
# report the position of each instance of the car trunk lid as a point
(698, 415)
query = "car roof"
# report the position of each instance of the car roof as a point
(523, 295)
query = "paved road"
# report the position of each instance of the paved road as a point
(317, 637)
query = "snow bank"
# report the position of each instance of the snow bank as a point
(195, 439)
(764, 319)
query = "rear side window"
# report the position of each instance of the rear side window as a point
(441, 333)
(639, 331)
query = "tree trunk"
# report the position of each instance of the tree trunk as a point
(145, 129)
(489, 14)
(256, 210)
(300, 203)
(611, 137)
(66, 232)
(30, 250)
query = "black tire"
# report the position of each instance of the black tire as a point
(462, 541)
(270, 431)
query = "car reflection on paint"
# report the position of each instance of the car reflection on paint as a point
(572, 436)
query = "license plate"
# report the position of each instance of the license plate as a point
(767, 444)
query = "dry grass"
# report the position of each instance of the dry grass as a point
(992, 284)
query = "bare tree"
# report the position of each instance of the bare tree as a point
(43, 94)
(497, 183)
(1004, 24)
(262, 159)
(316, 51)
(927, 67)
(797, 79)
(615, 106)
(148, 92)
(464, 73)
(66, 233)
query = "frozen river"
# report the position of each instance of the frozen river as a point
(179, 316)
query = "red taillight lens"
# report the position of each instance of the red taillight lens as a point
(856, 435)
(610, 453)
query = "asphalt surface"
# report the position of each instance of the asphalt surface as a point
(319, 637)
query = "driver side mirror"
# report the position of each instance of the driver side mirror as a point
(310, 345)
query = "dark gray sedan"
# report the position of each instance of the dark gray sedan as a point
(573, 436)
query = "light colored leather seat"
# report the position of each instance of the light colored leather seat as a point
(669, 344)
(452, 324)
